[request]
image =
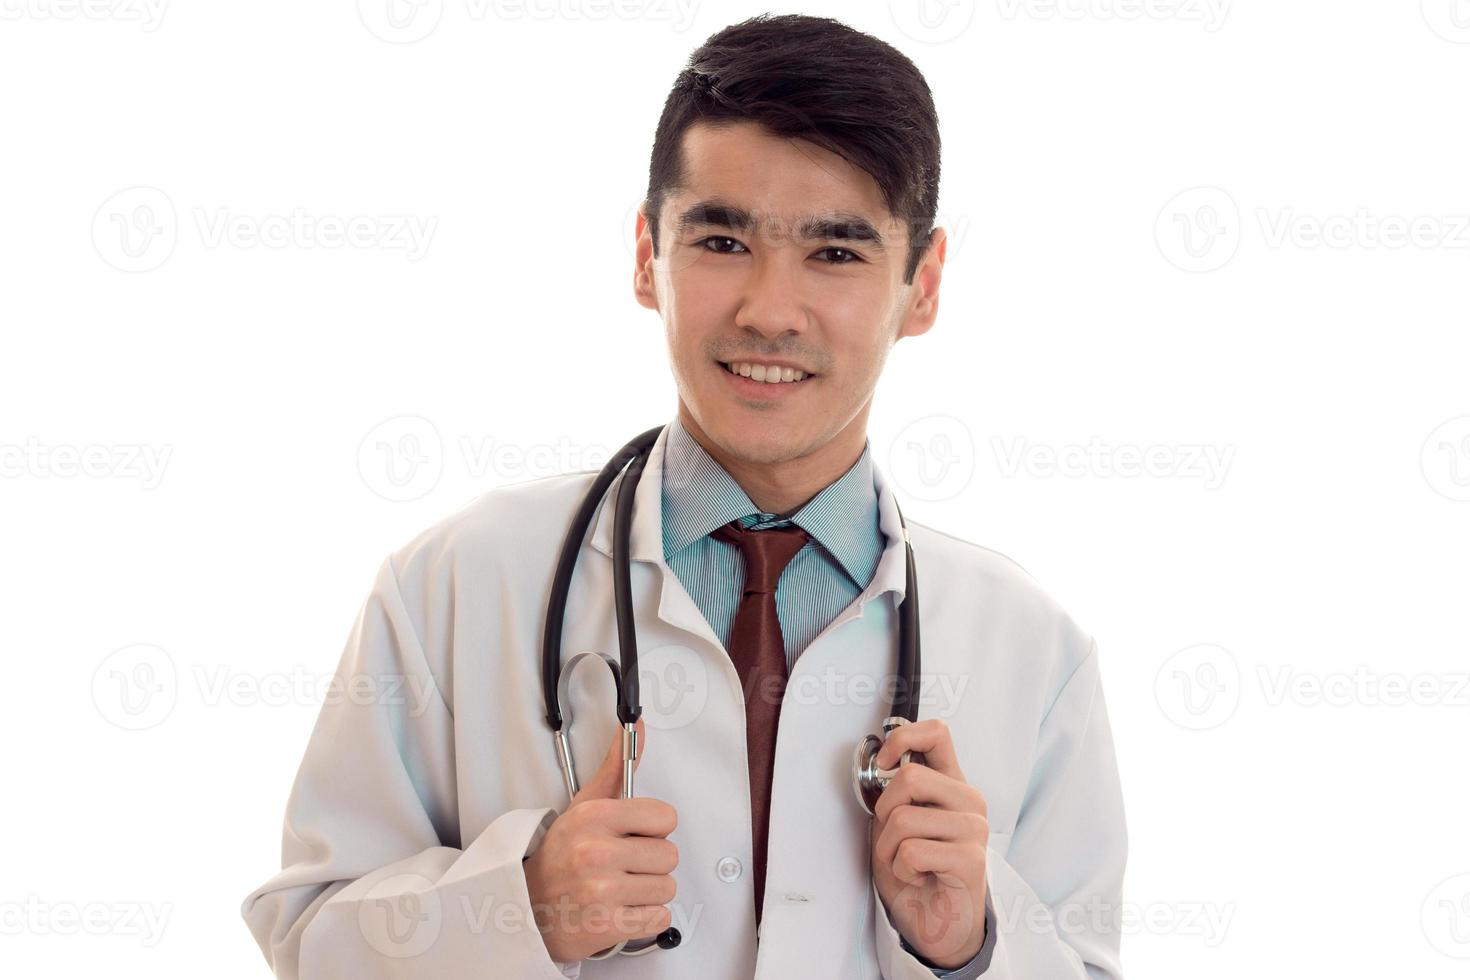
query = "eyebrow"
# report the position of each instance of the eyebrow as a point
(839, 226)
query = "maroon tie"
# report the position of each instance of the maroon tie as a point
(759, 654)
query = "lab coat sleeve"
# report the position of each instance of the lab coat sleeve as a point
(1054, 897)
(374, 882)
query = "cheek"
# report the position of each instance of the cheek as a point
(705, 291)
(695, 313)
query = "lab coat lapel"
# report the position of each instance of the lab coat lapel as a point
(646, 542)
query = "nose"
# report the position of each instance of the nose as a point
(773, 303)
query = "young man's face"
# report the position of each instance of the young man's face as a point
(829, 299)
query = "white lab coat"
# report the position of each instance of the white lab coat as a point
(416, 801)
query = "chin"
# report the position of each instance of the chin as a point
(754, 442)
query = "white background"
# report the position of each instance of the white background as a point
(1194, 229)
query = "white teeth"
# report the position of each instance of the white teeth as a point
(769, 374)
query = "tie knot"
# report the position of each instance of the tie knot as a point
(767, 552)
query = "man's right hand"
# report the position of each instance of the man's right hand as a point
(604, 872)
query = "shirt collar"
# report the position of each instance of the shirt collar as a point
(699, 495)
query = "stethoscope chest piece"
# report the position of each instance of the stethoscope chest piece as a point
(869, 781)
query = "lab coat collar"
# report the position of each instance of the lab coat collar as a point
(645, 544)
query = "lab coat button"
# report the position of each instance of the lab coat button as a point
(728, 868)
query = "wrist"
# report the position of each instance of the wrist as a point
(952, 961)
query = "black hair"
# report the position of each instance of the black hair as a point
(820, 80)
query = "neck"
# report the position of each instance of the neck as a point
(783, 486)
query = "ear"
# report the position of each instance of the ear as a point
(924, 300)
(644, 290)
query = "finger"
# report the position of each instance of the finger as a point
(643, 890)
(607, 782)
(642, 815)
(924, 786)
(931, 737)
(928, 823)
(951, 862)
(645, 855)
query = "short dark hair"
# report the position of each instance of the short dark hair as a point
(818, 79)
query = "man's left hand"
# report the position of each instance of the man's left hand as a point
(929, 838)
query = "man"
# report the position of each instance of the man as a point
(787, 243)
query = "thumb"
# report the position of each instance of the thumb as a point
(607, 782)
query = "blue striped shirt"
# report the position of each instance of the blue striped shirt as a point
(827, 574)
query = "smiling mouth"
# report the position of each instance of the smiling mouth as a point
(760, 373)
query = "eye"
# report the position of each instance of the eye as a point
(851, 256)
(718, 238)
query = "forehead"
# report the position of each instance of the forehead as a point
(779, 179)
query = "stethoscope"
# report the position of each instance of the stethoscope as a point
(868, 780)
